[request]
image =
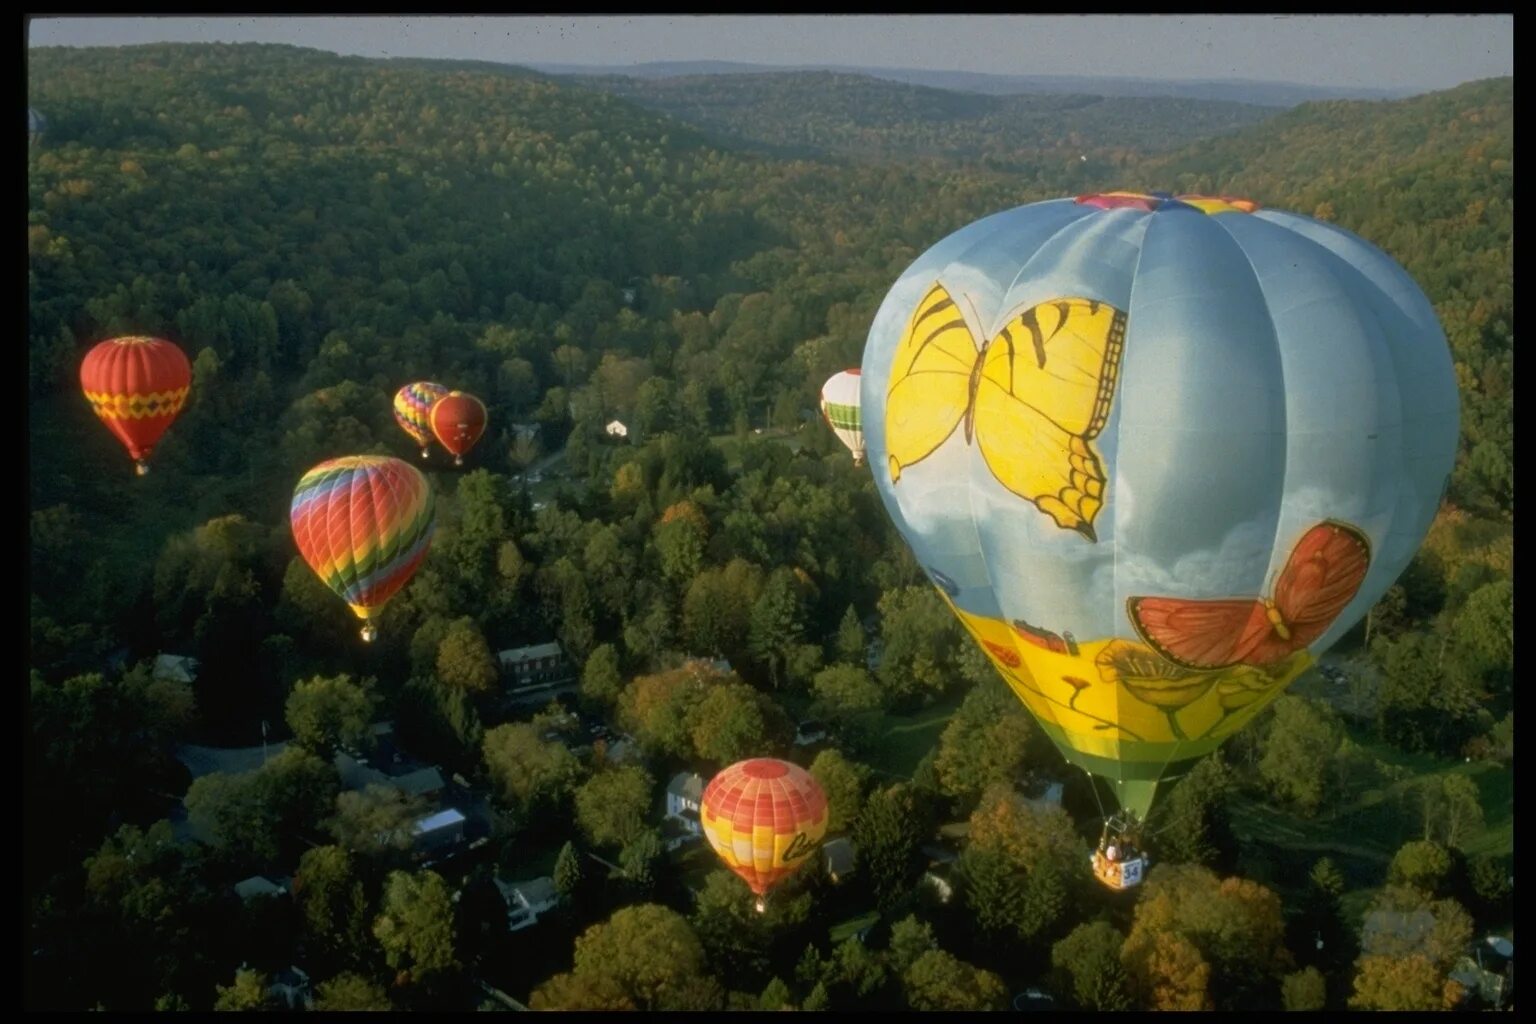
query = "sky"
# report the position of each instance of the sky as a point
(1418, 52)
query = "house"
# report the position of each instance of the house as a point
(1044, 796)
(291, 987)
(684, 794)
(423, 782)
(175, 668)
(837, 858)
(536, 666)
(258, 885)
(809, 732)
(525, 431)
(527, 900)
(676, 832)
(616, 429)
(439, 831)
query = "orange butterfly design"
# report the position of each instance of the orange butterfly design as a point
(1322, 575)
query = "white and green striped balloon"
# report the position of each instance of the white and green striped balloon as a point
(840, 408)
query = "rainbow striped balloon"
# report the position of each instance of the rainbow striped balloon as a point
(363, 523)
(764, 817)
(413, 406)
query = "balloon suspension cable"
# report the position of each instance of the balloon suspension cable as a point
(141, 468)
(1095, 787)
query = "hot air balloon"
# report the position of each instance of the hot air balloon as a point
(363, 523)
(137, 386)
(1157, 454)
(765, 818)
(413, 404)
(840, 408)
(458, 420)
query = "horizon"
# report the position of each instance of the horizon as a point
(1418, 53)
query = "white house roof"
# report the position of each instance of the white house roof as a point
(688, 785)
(615, 427)
(442, 819)
(257, 885)
(839, 855)
(175, 667)
(519, 655)
(535, 891)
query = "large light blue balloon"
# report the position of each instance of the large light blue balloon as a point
(1276, 372)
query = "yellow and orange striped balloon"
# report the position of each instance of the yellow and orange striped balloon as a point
(764, 817)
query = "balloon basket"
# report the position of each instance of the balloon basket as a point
(760, 905)
(141, 468)
(369, 632)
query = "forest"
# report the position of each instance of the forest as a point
(692, 258)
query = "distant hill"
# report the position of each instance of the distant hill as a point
(1235, 90)
(826, 112)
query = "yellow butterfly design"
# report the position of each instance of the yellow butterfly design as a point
(1032, 399)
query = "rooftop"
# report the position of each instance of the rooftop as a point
(258, 885)
(518, 655)
(442, 819)
(688, 785)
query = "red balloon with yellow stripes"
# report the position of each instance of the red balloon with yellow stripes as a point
(137, 386)
(764, 817)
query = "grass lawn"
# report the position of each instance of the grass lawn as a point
(843, 929)
(534, 860)
(901, 741)
(1362, 832)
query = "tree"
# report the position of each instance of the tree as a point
(644, 957)
(464, 659)
(887, 836)
(1089, 959)
(777, 624)
(376, 820)
(600, 680)
(733, 721)
(846, 692)
(527, 769)
(567, 874)
(350, 992)
(1421, 864)
(1233, 927)
(1023, 867)
(920, 642)
(654, 708)
(1298, 746)
(326, 713)
(1304, 990)
(738, 940)
(415, 924)
(638, 860)
(1397, 983)
(937, 981)
(849, 646)
(612, 806)
(260, 814)
(1198, 831)
(910, 939)
(333, 905)
(249, 992)
(775, 996)
(989, 740)
(843, 781)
